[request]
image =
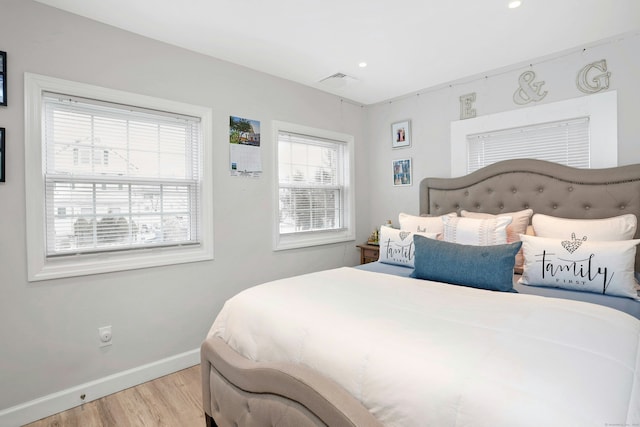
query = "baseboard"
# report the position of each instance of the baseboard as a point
(66, 399)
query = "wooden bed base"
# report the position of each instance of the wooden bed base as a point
(239, 392)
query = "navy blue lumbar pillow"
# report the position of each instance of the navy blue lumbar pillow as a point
(484, 267)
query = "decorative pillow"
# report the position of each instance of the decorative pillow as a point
(396, 246)
(621, 227)
(519, 223)
(484, 267)
(604, 267)
(475, 231)
(422, 224)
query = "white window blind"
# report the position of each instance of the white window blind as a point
(311, 183)
(118, 177)
(566, 142)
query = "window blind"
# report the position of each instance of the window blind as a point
(565, 142)
(118, 177)
(311, 183)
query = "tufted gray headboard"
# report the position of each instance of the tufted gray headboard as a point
(545, 187)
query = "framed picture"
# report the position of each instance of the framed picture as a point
(2, 156)
(3, 78)
(402, 172)
(401, 134)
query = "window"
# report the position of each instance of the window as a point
(314, 187)
(116, 180)
(565, 142)
(565, 120)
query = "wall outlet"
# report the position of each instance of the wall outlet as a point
(105, 335)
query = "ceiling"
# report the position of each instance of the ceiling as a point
(408, 45)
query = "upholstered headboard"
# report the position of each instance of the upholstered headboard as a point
(545, 187)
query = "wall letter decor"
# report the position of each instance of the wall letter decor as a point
(466, 106)
(590, 81)
(528, 90)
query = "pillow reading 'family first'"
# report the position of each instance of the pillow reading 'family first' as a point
(397, 247)
(580, 265)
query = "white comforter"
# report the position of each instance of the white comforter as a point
(419, 353)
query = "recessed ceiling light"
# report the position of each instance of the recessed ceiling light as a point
(362, 64)
(514, 3)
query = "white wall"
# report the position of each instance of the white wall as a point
(48, 330)
(432, 111)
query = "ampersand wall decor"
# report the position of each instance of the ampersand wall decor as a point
(593, 77)
(529, 90)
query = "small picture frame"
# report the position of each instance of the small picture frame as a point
(3, 78)
(401, 134)
(402, 172)
(2, 155)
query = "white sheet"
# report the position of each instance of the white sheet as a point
(419, 353)
(627, 305)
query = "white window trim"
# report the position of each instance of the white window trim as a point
(42, 268)
(601, 108)
(315, 238)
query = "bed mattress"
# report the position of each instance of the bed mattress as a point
(626, 305)
(421, 353)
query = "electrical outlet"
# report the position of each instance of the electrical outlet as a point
(105, 335)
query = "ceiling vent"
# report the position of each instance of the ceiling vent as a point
(337, 80)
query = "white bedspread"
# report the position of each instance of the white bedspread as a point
(419, 353)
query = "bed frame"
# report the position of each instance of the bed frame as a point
(240, 392)
(547, 188)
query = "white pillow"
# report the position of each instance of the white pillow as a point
(476, 231)
(621, 227)
(396, 246)
(604, 267)
(519, 224)
(422, 224)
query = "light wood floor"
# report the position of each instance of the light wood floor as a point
(172, 401)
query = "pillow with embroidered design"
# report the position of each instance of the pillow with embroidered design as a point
(422, 224)
(519, 223)
(476, 231)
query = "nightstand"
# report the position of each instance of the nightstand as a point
(368, 253)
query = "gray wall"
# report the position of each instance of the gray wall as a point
(48, 330)
(432, 111)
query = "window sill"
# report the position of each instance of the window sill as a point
(305, 240)
(83, 265)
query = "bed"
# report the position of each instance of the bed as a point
(372, 346)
